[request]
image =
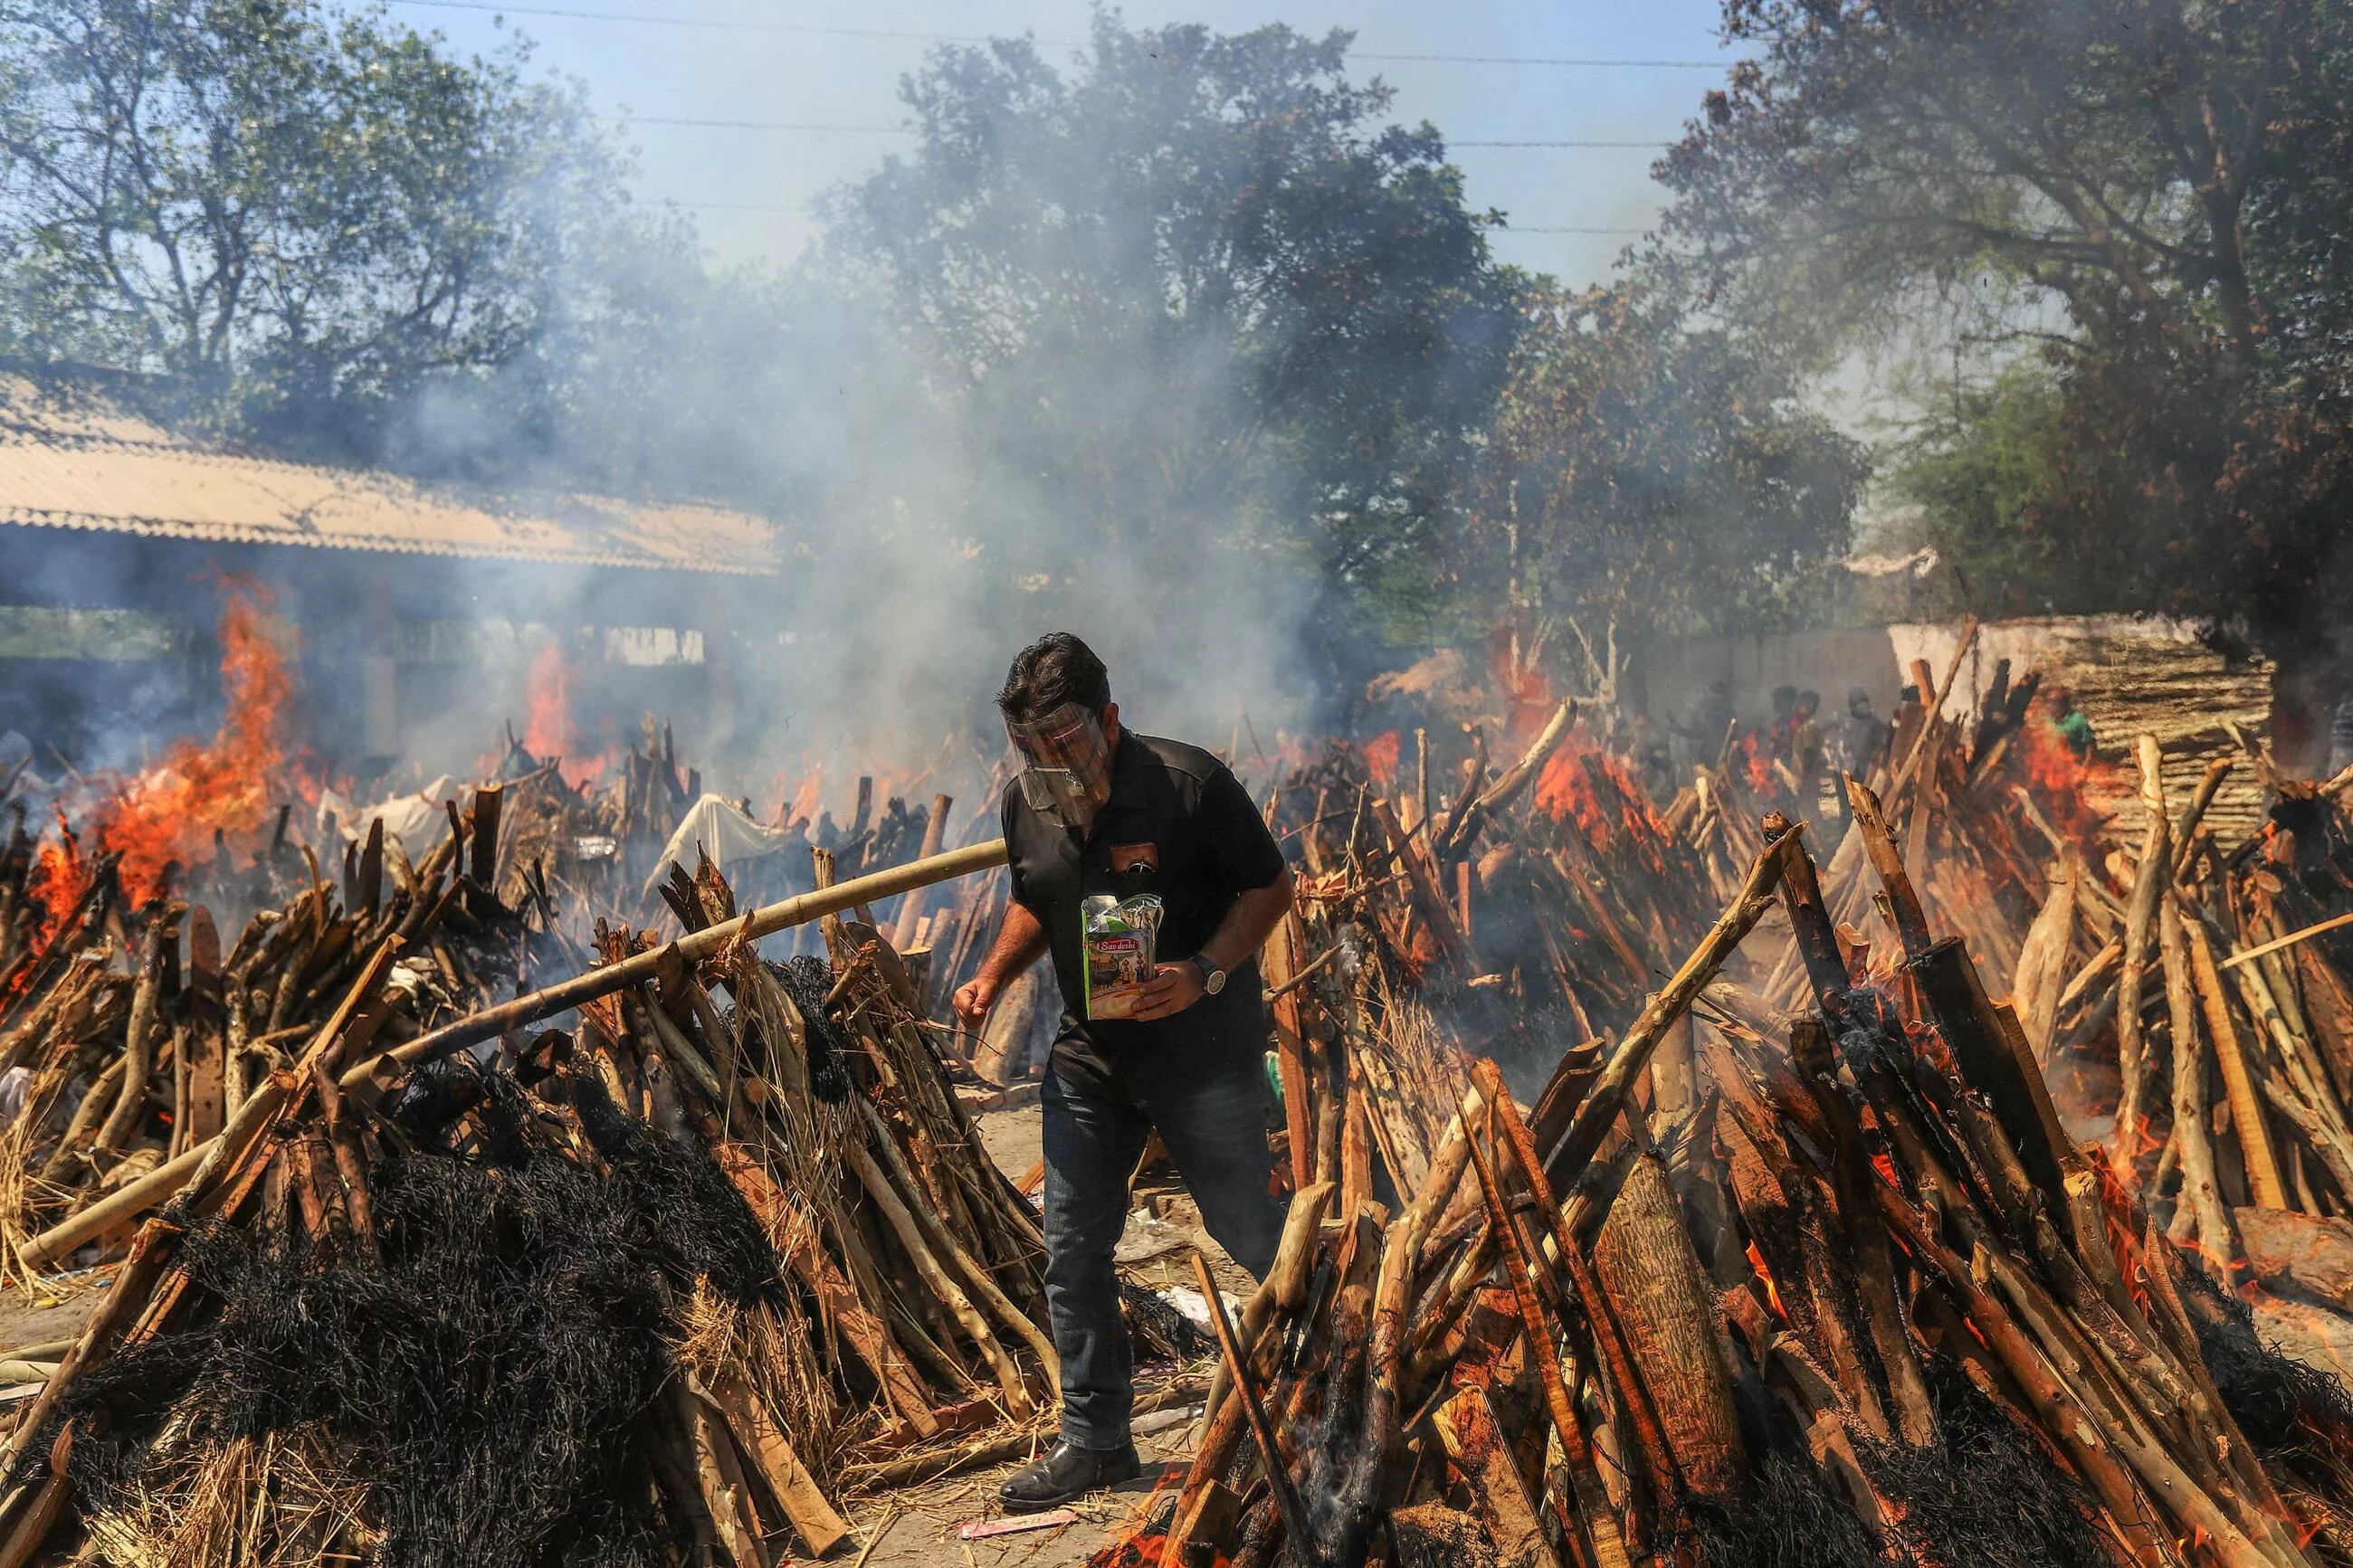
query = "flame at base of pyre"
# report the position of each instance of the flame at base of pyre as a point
(202, 795)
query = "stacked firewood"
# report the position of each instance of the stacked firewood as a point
(649, 1289)
(132, 1036)
(1856, 1296)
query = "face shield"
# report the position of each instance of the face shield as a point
(1067, 778)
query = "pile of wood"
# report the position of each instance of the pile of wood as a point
(800, 1271)
(1856, 1298)
(130, 1037)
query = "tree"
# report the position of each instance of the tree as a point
(2133, 191)
(1193, 304)
(286, 221)
(1651, 476)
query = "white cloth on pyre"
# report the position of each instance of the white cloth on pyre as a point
(418, 820)
(725, 834)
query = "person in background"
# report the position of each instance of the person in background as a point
(2059, 707)
(1781, 735)
(1101, 810)
(1700, 738)
(1911, 715)
(1809, 756)
(1862, 741)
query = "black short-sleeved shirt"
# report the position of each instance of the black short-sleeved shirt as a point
(1179, 824)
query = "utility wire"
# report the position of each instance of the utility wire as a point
(812, 30)
(909, 130)
(766, 208)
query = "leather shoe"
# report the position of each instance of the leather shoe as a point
(1067, 1471)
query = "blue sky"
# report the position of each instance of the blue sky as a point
(758, 185)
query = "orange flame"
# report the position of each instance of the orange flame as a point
(2062, 783)
(548, 733)
(170, 811)
(1772, 1292)
(1381, 757)
(1570, 788)
(547, 691)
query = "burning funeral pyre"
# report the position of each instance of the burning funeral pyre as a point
(1668, 1185)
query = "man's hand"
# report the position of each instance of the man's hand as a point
(1019, 942)
(1172, 988)
(975, 996)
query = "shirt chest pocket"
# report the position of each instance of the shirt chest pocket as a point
(1128, 870)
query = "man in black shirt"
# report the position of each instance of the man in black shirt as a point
(1101, 810)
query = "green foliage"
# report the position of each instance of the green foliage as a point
(285, 220)
(1190, 290)
(1987, 474)
(1644, 471)
(2147, 196)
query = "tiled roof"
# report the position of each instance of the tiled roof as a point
(115, 473)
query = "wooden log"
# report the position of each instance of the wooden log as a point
(2202, 1210)
(1604, 1343)
(1199, 1525)
(1911, 922)
(1955, 997)
(1473, 1436)
(1282, 959)
(1865, 1232)
(935, 1276)
(2264, 1182)
(1661, 1302)
(764, 1442)
(2036, 985)
(975, 1279)
(27, 1531)
(718, 1474)
(1516, 780)
(1607, 1099)
(2185, 832)
(749, 926)
(1278, 1474)
(2319, 928)
(1285, 1286)
(139, 1039)
(2153, 876)
(913, 903)
(1433, 1535)
(1602, 1545)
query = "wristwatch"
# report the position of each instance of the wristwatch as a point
(1213, 979)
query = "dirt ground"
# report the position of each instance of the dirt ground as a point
(1163, 1228)
(54, 1311)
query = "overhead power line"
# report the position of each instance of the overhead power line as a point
(809, 29)
(770, 207)
(718, 124)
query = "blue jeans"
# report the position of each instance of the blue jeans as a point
(1215, 1129)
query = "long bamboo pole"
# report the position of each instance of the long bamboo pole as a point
(159, 1186)
(752, 924)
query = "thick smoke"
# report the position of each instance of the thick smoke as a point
(1145, 345)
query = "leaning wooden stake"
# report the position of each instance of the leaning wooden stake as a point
(2202, 1207)
(1607, 1096)
(2149, 883)
(1278, 1474)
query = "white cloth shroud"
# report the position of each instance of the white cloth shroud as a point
(724, 833)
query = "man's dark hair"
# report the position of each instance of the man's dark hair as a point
(1055, 669)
